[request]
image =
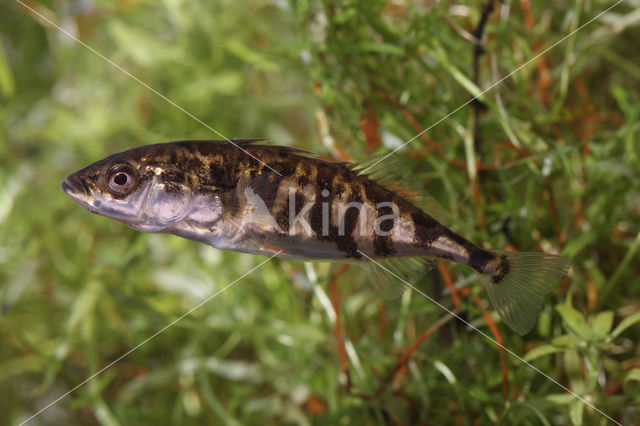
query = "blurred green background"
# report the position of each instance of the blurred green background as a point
(549, 161)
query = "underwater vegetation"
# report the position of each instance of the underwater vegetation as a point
(118, 326)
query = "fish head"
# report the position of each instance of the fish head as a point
(135, 187)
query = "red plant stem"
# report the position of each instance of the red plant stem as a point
(409, 352)
(433, 146)
(449, 283)
(496, 334)
(335, 301)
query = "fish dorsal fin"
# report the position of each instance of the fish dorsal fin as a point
(246, 141)
(389, 277)
(239, 142)
(280, 149)
(395, 176)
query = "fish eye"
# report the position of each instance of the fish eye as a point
(121, 179)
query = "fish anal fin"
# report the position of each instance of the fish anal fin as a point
(389, 277)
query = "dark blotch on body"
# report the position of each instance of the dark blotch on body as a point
(427, 229)
(315, 214)
(266, 187)
(478, 259)
(171, 176)
(503, 270)
(382, 244)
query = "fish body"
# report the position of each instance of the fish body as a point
(261, 199)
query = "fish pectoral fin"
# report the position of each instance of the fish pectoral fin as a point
(391, 277)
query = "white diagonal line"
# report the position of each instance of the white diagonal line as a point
(494, 85)
(64, 395)
(118, 67)
(518, 357)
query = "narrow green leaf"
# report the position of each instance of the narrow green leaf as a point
(626, 323)
(566, 340)
(631, 384)
(480, 394)
(375, 47)
(634, 374)
(7, 82)
(560, 398)
(446, 371)
(249, 55)
(523, 405)
(576, 411)
(605, 346)
(602, 324)
(574, 320)
(577, 244)
(620, 270)
(574, 367)
(541, 350)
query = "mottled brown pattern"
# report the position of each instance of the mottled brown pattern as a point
(223, 168)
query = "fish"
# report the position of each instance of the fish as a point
(248, 196)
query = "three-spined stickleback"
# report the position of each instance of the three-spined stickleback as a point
(265, 199)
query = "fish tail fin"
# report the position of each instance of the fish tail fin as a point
(517, 286)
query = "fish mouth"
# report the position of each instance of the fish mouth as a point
(75, 189)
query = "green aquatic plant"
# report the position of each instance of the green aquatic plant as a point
(547, 160)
